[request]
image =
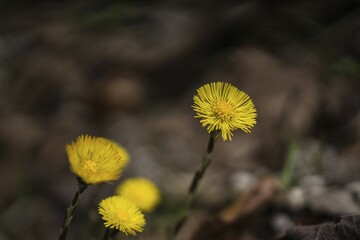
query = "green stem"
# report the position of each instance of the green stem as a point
(70, 210)
(195, 181)
(287, 173)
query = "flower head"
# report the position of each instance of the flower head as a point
(96, 159)
(140, 191)
(223, 107)
(122, 214)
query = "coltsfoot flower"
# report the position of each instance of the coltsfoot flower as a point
(140, 191)
(222, 107)
(96, 159)
(121, 214)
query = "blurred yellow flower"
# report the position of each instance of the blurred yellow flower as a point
(140, 191)
(96, 159)
(223, 107)
(122, 214)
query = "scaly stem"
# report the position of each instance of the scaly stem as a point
(107, 234)
(110, 234)
(70, 210)
(196, 180)
(202, 168)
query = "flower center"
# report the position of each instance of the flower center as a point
(224, 110)
(91, 166)
(123, 216)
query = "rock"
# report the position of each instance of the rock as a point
(336, 202)
(242, 181)
(313, 185)
(296, 198)
(281, 222)
(340, 167)
(354, 190)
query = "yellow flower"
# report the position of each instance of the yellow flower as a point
(223, 107)
(140, 191)
(96, 159)
(122, 214)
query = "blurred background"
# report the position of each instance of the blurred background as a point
(127, 70)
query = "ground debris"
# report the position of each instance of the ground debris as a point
(346, 228)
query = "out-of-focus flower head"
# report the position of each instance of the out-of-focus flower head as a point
(141, 191)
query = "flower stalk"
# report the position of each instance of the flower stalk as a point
(71, 209)
(196, 180)
(204, 164)
(110, 233)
